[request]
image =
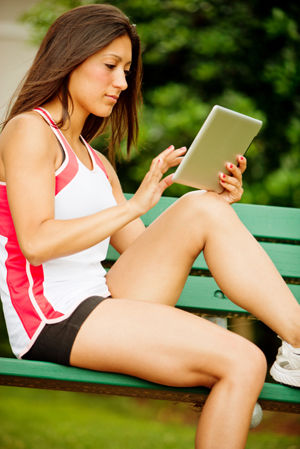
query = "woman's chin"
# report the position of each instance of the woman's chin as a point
(103, 112)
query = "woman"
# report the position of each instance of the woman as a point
(61, 202)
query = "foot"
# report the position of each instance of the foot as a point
(286, 368)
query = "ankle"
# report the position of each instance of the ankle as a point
(295, 344)
(292, 334)
(293, 340)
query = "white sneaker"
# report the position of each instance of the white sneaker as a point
(286, 368)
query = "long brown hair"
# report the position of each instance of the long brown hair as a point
(72, 38)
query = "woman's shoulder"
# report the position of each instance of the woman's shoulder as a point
(23, 134)
(26, 122)
(25, 129)
(103, 158)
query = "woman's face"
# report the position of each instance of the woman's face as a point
(96, 84)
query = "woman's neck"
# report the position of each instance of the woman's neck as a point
(73, 127)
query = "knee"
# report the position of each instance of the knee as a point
(208, 207)
(248, 367)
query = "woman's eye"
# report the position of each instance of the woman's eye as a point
(110, 66)
(127, 72)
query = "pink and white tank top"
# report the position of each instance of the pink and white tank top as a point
(35, 295)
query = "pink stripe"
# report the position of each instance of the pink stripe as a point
(44, 113)
(70, 170)
(38, 292)
(98, 160)
(18, 286)
(17, 281)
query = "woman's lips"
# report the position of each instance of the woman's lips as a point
(113, 97)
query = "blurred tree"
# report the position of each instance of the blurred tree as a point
(197, 53)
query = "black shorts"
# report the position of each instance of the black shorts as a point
(54, 344)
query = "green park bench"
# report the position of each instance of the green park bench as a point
(277, 229)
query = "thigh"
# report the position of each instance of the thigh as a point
(155, 342)
(155, 267)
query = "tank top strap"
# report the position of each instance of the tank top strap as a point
(61, 138)
(45, 114)
(69, 168)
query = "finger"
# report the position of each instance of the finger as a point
(174, 158)
(227, 186)
(167, 151)
(235, 171)
(155, 173)
(235, 192)
(169, 156)
(232, 180)
(180, 151)
(156, 162)
(165, 182)
(163, 155)
(176, 162)
(242, 162)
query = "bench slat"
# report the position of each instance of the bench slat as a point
(270, 221)
(202, 294)
(286, 258)
(26, 372)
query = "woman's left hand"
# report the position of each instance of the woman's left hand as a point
(233, 183)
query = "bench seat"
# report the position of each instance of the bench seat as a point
(46, 375)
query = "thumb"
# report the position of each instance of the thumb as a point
(166, 182)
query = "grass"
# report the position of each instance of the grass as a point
(35, 419)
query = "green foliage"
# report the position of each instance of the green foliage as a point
(197, 53)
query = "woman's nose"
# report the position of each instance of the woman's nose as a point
(120, 80)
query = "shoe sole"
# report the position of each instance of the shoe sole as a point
(284, 376)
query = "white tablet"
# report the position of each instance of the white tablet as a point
(223, 136)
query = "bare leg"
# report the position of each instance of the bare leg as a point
(142, 336)
(158, 263)
(166, 345)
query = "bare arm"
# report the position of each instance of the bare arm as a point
(29, 160)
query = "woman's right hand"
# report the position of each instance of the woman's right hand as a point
(153, 184)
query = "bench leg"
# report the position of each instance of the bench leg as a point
(223, 322)
(256, 416)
